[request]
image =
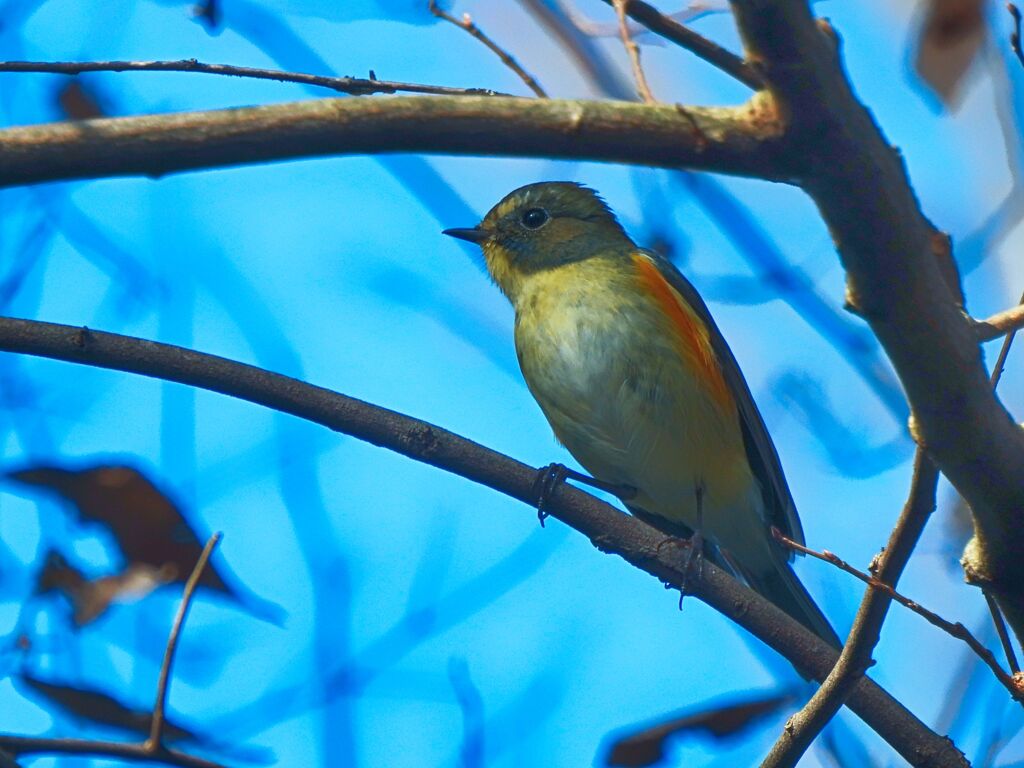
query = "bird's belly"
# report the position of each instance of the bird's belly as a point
(624, 402)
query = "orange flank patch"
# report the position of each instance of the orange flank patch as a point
(694, 337)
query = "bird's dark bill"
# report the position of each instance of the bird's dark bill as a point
(472, 234)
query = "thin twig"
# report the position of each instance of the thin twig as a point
(997, 369)
(855, 658)
(997, 372)
(670, 29)
(1015, 34)
(467, 24)
(353, 86)
(608, 528)
(155, 741)
(1004, 636)
(152, 750)
(1000, 324)
(633, 50)
(955, 629)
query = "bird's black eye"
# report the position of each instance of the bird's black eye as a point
(535, 218)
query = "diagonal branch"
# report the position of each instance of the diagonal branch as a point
(609, 529)
(955, 629)
(855, 659)
(353, 86)
(893, 258)
(506, 58)
(684, 37)
(727, 140)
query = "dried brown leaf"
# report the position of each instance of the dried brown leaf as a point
(951, 35)
(647, 746)
(90, 598)
(102, 709)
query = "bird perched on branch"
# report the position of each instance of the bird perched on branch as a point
(638, 383)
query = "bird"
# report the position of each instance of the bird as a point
(637, 382)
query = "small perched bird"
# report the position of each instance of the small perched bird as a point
(639, 385)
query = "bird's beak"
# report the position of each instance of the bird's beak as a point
(472, 234)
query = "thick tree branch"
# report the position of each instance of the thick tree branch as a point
(609, 529)
(727, 140)
(134, 753)
(894, 281)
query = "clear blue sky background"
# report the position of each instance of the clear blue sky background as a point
(397, 578)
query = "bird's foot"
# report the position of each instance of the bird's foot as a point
(693, 562)
(551, 476)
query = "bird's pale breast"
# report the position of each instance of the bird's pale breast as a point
(604, 357)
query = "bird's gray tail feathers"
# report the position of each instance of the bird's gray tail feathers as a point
(783, 588)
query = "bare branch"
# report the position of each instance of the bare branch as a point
(155, 741)
(633, 51)
(684, 37)
(608, 528)
(1004, 637)
(731, 140)
(997, 369)
(1000, 324)
(467, 24)
(1014, 686)
(803, 727)
(353, 86)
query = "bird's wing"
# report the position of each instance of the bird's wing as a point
(764, 460)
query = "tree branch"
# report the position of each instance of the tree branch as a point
(608, 529)
(1000, 324)
(353, 86)
(955, 629)
(855, 659)
(155, 742)
(633, 51)
(892, 254)
(670, 29)
(729, 140)
(506, 58)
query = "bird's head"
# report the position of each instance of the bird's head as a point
(543, 226)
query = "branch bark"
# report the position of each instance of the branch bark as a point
(892, 255)
(727, 140)
(608, 529)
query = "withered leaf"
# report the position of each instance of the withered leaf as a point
(90, 598)
(103, 709)
(77, 102)
(951, 35)
(149, 528)
(647, 746)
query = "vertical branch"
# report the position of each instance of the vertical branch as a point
(155, 742)
(634, 53)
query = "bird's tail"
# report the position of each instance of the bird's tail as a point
(783, 588)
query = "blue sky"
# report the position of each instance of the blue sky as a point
(332, 270)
